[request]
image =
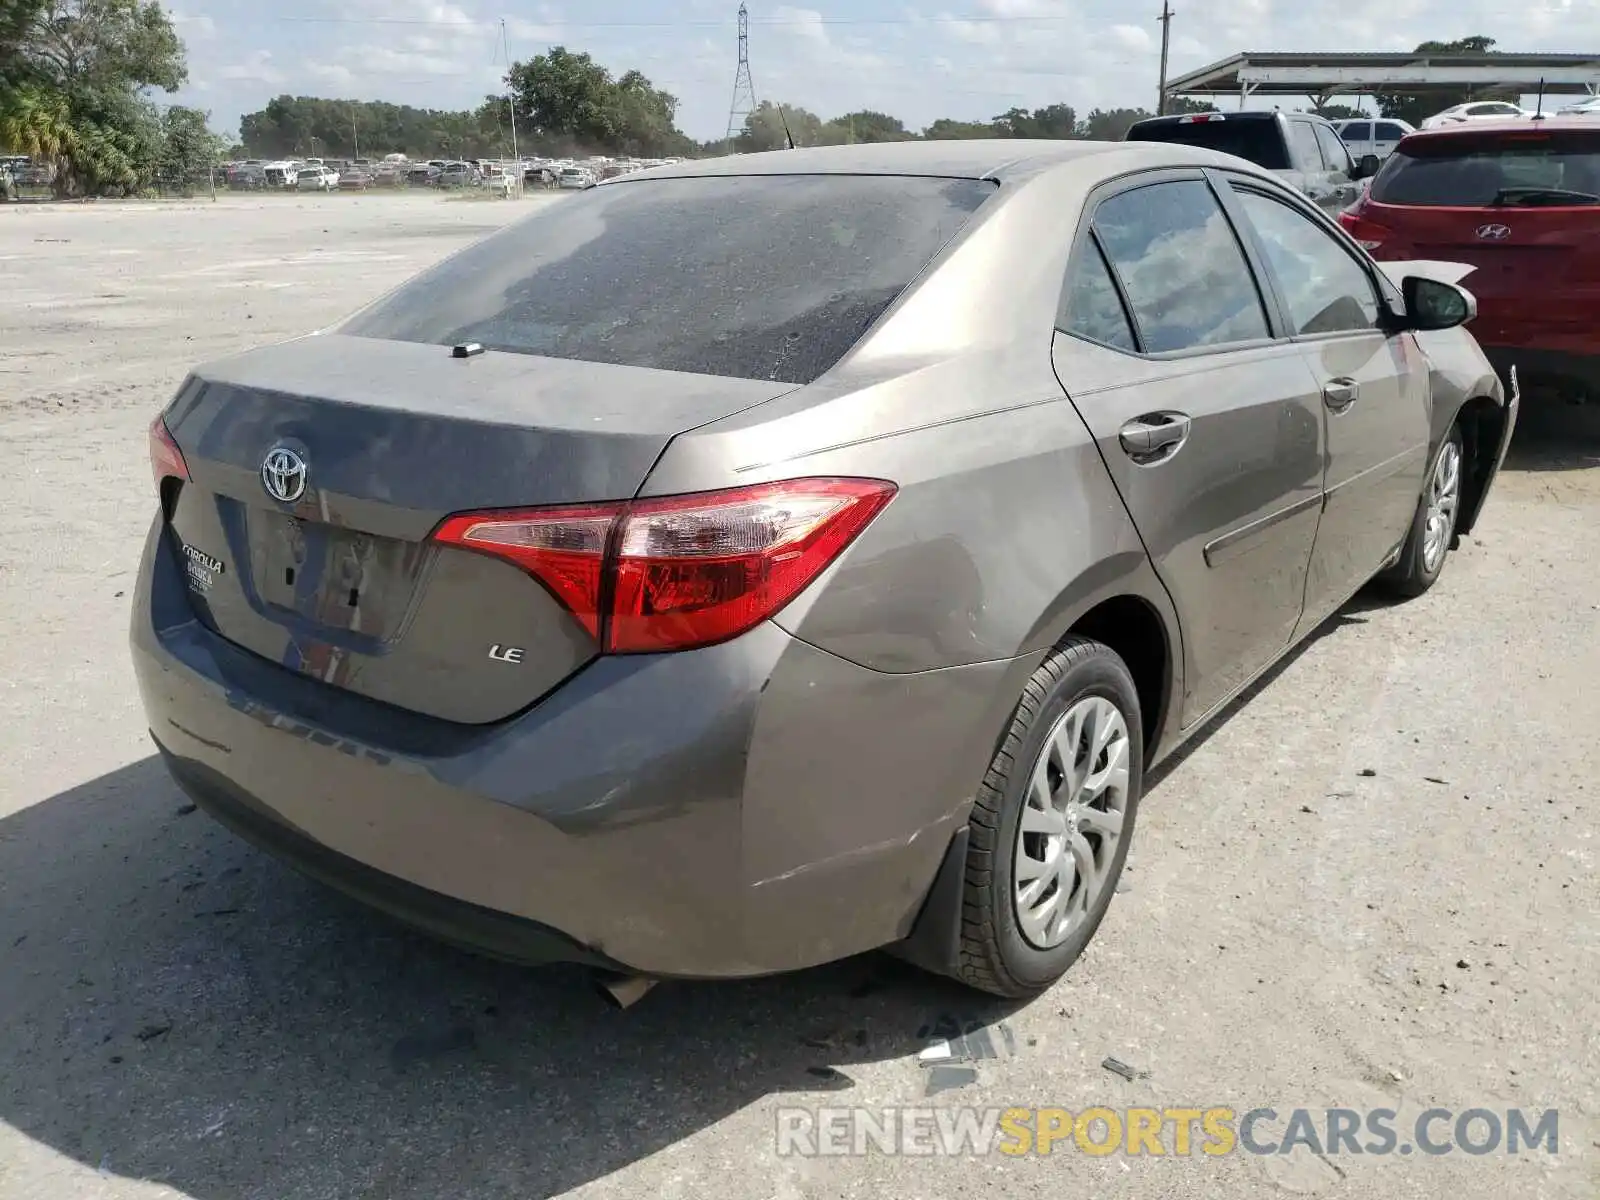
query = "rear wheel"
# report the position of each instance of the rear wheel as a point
(1433, 527)
(1052, 822)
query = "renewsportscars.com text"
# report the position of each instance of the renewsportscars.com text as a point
(1179, 1132)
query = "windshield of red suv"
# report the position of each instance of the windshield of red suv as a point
(1483, 170)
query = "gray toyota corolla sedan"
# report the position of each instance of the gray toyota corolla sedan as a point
(749, 563)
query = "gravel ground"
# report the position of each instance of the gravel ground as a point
(1373, 886)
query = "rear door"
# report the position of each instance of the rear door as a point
(1342, 188)
(1522, 206)
(1386, 136)
(1208, 423)
(1357, 137)
(1374, 387)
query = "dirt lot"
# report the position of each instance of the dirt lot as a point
(1374, 886)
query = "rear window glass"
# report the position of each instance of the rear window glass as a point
(1256, 139)
(1471, 171)
(755, 277)
(1357, 131)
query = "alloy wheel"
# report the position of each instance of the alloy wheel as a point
(1444, 494)
(1071, 823)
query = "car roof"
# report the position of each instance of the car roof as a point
(1509, 125)
(1002, 159)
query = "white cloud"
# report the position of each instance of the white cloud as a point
(917, 59)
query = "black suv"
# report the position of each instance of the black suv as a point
(1304, 150)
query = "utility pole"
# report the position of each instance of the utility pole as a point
(511, 107)
(355, 133)
(1166, 38)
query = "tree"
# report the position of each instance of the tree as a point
(74, 76)
(112, 44)
(945, 129)
(1339, 112)
(1052, 121)
(1417, 109)
(1112, 125)
(1177, 106)
(867, 126)
(189, 150)
(765, 128)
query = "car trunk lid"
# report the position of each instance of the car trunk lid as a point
(341, 582)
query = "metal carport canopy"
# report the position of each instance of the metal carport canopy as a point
(1250, 73)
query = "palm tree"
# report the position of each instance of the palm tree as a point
(37, 123)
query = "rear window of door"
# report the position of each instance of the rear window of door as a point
(1303, 145)
(1472, 170)
(1094, 309)
(752, 277)
(1181, 267)
(1324, 288)
(1333, 150)
(1389, 132)
(1357, 131)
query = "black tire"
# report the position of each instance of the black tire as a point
(1410, 577)
(995, 956)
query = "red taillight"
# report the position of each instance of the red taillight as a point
(683, 571)
(165, 457)
(1370, 234)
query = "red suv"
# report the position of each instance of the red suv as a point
(1520, 201)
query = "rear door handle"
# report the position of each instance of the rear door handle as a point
(1340, 394)
(1154, 436)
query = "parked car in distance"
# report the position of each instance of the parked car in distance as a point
(575, 177)
(423, 175)
(1477, 110)
(317, 179)
(281, 174)
(1376, 137)
(459, 174)
(1301, 149)
(739, 679)
(1519, 201)
(354, 180)
(1588, 107)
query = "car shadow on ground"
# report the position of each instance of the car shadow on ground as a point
(182, 1009)
(1555, 438)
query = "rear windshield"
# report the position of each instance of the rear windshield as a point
(1257, 139)
(1470, 171)
(755, 277)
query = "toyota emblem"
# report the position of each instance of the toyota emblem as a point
(1493, 233)
(283, 474)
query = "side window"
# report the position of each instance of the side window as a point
(1325, 288)
(1357, 131)
(1094, 310)
(1303, 145)
(1181, 267)
(1390, 132)
(1333, 150)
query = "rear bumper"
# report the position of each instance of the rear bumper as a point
(749, 808)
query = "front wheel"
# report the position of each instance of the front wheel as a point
(1052, 822)
(1433, 527)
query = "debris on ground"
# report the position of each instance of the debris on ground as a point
(1117, 1067)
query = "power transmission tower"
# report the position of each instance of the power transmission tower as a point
(744, 89)
(1166, 35)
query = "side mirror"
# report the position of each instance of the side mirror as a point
(1367, 166)
(1431, 304)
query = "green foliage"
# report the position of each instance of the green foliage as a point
(1111, 125)
(306, 126)
(1340, 112)
(74, 78)
(1053, 121)
(568, 103)
(947, 130)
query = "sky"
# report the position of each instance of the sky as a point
(916, 59)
